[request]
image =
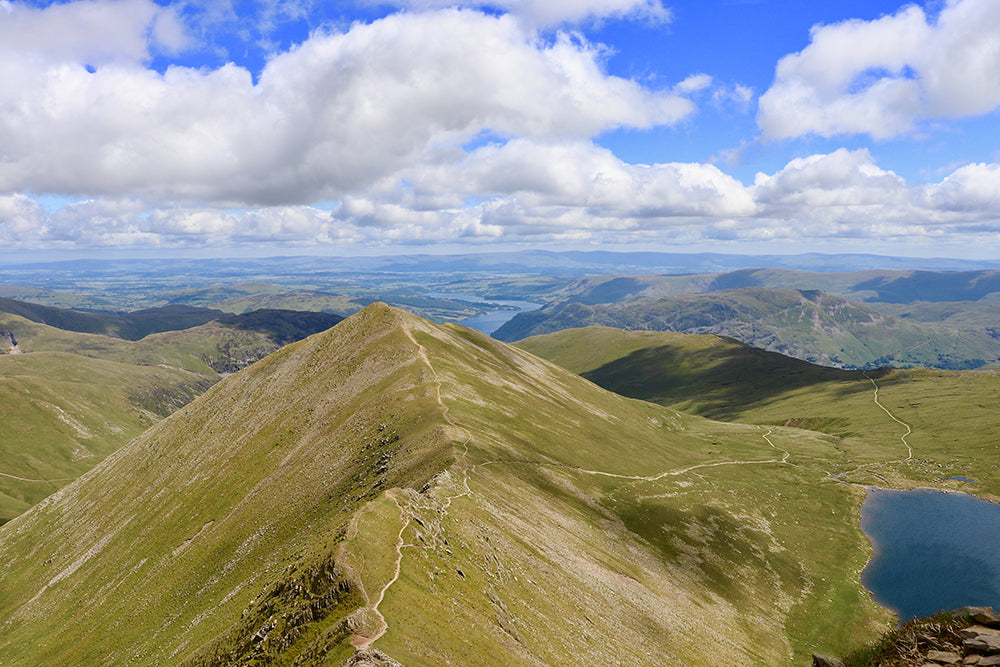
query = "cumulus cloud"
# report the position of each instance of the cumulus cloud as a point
(843, 178)
(582, 175)
(92, 32)
(338, 113)
(529, 192)
(972, 190)
(885, 76)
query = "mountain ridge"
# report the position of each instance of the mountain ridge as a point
(436, 495)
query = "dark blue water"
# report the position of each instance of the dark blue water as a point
(933, 551)
(493, 320)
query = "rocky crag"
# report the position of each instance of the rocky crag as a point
(968, 636)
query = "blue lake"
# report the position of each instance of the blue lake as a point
(493, 320)
(933, 551)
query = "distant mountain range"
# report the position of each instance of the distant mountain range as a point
(527, 261)
(806, 324)
(891, 287)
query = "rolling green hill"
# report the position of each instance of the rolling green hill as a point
(950, 414)
(808, 325)
(438, 496)
(223, 345)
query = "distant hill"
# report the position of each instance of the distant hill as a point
(224, 344)
(130, 326)
(805, 324)
(526, 261)
(874, 286)
(709, 375)
(392, 487)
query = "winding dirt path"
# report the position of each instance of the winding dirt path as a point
(909, 450)
(362, 643)
(40, 481)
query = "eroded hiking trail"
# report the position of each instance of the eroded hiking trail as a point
(361, 642)
(909, 450)
(662, 475)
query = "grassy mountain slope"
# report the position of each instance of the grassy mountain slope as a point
(949, 413)
(808, 325)
(442, 497)
(226, 344)
(61, 414)
(70, 399)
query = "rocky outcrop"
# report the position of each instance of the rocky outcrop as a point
(7, 341)
(967, 636)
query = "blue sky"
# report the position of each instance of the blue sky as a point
(775, 126)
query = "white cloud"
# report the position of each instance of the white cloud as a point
(972, 190)
(840, 179)
(22, 220)
(531, 193)
(693, 84)
(545, 13)
(883, 77)
(737, 97)
(581, 175)
(534, 193)
(338, 113)
(92, 32)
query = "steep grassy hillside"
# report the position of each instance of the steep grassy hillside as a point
(808, 325)
(947, 418)
(70, 399)
(441, 497)
(62, 414)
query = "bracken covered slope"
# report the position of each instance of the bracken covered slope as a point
(432, 494)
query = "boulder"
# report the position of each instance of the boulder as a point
(983, 644)
(982, 615)
(825, 661)
(978, 630)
